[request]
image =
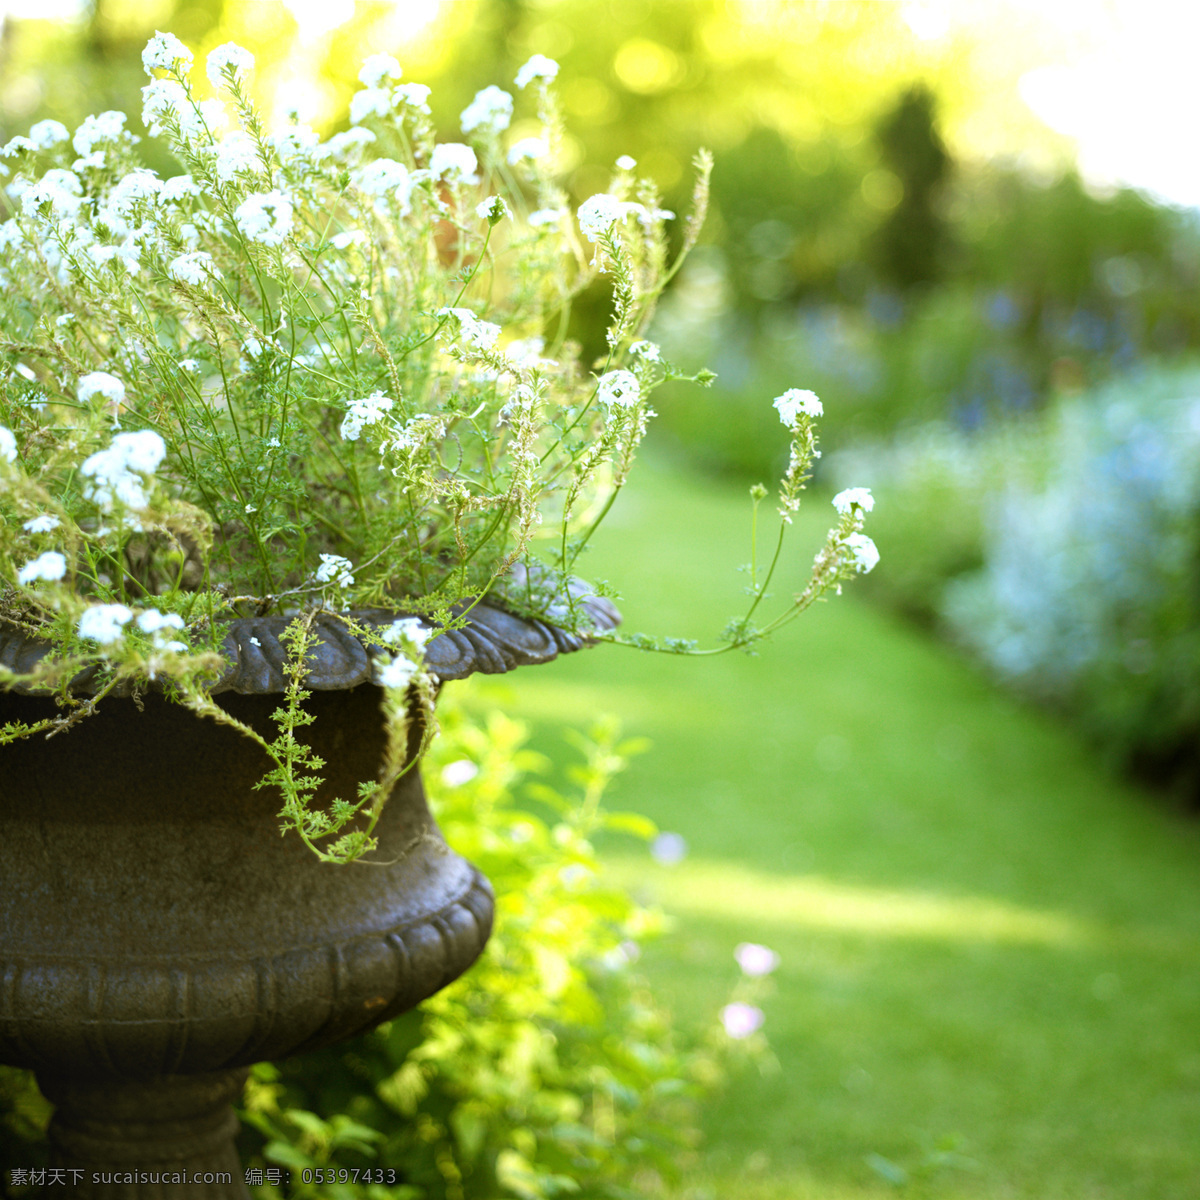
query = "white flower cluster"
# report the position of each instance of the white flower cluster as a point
(101, 383)
(599, 213)
(618, 389)
(493, 210)
(364, 412)
(158, 625)
(165, 52)
(474, 333)
(228, 62)
(265, 217)
(335, 570)
(864, 555)
(115, 475)
(538, 67)
(856, 497)
(50, 566)
(528, 149)
(387, 179)
(454, 162)
(195, 268)
(104, 623)
(377, 69)
(795, 403)
(396, 670)
(489, 114)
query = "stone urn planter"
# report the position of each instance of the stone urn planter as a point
(158, 934)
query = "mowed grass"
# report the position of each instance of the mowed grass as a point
(986, 941)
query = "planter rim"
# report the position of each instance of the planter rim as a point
(492, 642)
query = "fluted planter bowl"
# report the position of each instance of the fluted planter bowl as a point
(158, 934)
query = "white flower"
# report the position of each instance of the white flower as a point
(177, 188)
(47, 134)
(755, 959)
(619, 389)
(111, 472)
(165, 52)
(528, 149)
(543, 218)
(43, 524)
(370, 102)
(190, 365)
(493, 210)
(844, 501)
(61, 189)
(455, 160)
(741, 1020)
(102, 623)
(793, 402)
(162, 98)
(527, 352)
(236, 152)
(598, 213)
(336, 570)
(387, 178)
(101, 383)
(295, 142)
(407, 629)
(415, 95)
(378, 68)
(50, 566)
(625, 163)
(152, 621)
(143, 450)
(397, 673)
(228, 60)
(347, 238)
(864, 555)
(669, 848)
(647, 350)
(461, 771)
(489, 113)
(139, 184)
(364, 412)
(349, 143)
(476, 333)
(265, 217)
(99, 127)
(196, 268)
(8, 445)
(16, 145)
(538, 67)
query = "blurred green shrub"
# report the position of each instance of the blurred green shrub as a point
(1089, 598)
(1064, 551)
(549, 1068)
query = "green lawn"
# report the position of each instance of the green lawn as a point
(985, 940)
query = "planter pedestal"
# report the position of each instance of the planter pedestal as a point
(179, 1127)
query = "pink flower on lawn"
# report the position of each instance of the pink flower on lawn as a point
(755, 959)
(741, 1020)
(669, 848)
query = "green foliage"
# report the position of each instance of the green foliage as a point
(1062, 551)
(550, 1068)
